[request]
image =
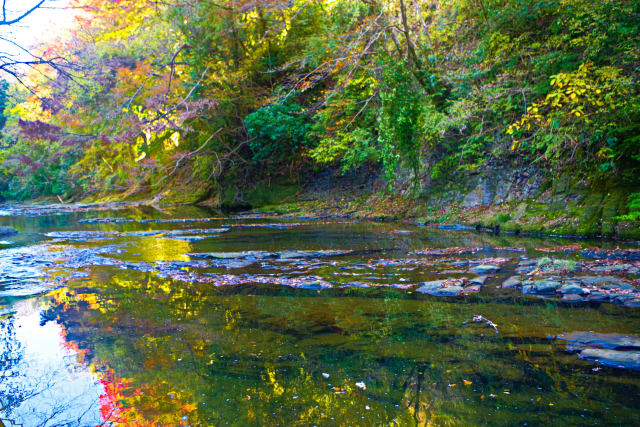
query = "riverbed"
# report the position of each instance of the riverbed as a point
(181, 316)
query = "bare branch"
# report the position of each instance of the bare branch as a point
(6, 21)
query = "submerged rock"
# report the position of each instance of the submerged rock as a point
(572, 298)
(235, 255)
(614, 350)
(457, 227)
(290, 254)
(8, 231)
(612, 358)
(580, 340)
(316, 286)
(485, 269)
(263, 255)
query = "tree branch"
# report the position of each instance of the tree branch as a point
(6, 21)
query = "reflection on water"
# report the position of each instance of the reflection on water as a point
(118, 344)
(42, 382)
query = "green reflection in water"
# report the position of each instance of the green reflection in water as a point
(272, 356)
(174, 353)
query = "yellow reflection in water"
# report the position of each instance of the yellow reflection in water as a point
(159, 248)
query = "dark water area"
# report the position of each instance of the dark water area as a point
(184, 316)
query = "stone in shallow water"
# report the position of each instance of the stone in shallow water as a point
(620, 298)
(484, 269)
(474, 288)
(620, 285)
(572, 289)
(598, 296)
(599, 280)
(512, 282)
(580, 340)
(545, 287)
(313, 285)
(635, 302)
(480, 280)
(612, 358)
(426, 287)
(572, 298)
(291, 254)
(8, 231)
(235, 255)
(446, 291)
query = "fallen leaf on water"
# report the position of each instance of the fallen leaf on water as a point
(467, 382)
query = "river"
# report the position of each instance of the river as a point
(181, 316)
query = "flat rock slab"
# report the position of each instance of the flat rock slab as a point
(442, 288)
(512, 282)
(479, 281)
(573, 298)
(606, 282)
(541, 287)
(577, 341)
(262, 255)
(448, 291)
(311, 254)
(235, 255)
(612, 358)
(485, 269)
(426, 287)
(571, 289)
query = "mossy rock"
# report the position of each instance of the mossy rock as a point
(274, 193)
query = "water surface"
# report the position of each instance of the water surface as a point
(118, 317)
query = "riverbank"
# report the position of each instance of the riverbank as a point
(526, 217)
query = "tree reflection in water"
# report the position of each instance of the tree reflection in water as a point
(171, 353)
(41, 383)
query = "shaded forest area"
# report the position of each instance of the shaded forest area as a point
(186, 101)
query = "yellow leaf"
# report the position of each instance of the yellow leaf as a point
(189, 407)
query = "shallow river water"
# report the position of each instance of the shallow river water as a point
(186, 317)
